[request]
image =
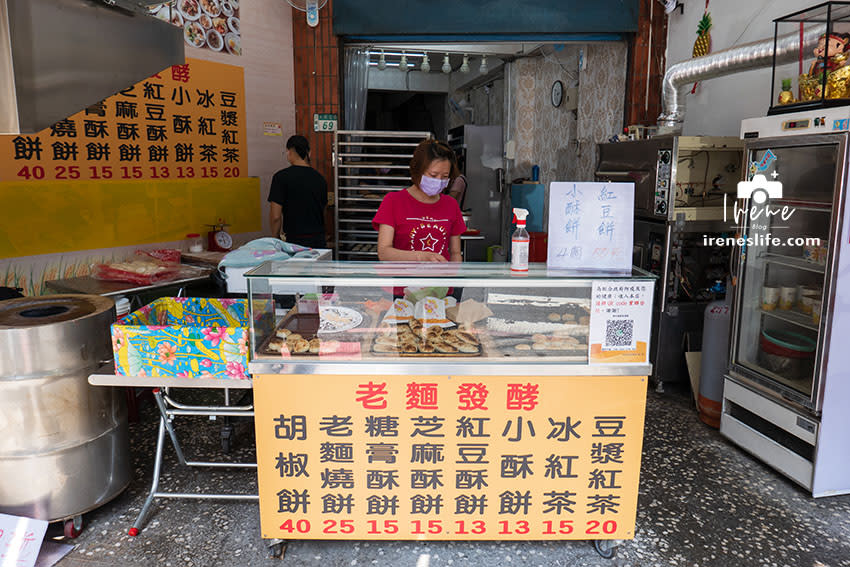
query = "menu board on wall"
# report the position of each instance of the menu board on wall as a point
(185, 122)
(449, 457)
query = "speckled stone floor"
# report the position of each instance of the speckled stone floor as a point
(702, 503)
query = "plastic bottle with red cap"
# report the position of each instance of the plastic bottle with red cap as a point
(519, 242)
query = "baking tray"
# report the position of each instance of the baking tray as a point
(425, 354)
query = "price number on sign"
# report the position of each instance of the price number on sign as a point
(324, 122)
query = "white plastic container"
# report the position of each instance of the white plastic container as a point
(520, 240)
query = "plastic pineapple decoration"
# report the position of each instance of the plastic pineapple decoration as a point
(702, 45)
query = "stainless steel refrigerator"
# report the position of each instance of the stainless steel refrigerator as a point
(787, 393)
(480, 158)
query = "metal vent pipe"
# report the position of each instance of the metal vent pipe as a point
(680, 76)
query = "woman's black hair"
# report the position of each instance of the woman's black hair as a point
(428, 151)
(300, 144)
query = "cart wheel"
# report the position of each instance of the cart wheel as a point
(73, 527)
(277, 550)
(226, 436)
(606, 548)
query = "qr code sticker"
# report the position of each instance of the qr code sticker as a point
(619, 334)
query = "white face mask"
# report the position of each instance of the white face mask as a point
(432, 186)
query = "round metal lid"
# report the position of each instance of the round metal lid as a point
(50, 309)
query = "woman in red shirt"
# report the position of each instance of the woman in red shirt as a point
(420, 224)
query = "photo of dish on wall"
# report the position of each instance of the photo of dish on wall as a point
(207, 24)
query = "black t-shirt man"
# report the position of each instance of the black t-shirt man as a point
(299, 194)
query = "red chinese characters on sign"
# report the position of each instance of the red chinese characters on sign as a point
(371, 395)
(522, 396)
(421, 396)
(180, 73)
(472, 396)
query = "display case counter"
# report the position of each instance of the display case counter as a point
(449, 401)
(474, 318)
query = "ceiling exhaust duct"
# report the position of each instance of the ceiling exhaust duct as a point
(58, 57)
(680, 76)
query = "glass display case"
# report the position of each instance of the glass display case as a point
(469, 317)
(783, 282)
(810, 64)
(785, 272)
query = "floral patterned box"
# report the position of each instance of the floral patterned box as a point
(184, 336)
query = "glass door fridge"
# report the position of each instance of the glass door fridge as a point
(784, 273)
(787, 379)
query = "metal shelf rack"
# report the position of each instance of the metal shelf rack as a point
(367, 165)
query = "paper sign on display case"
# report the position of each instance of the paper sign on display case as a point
(448, 457)
(620, 322)
(590, 225)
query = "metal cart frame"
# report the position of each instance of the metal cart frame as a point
(169, 409)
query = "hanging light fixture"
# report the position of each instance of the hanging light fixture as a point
(382, 62)
(426, 64)
(483, 68)
(464, 67)
(447, 67)
(402, 63)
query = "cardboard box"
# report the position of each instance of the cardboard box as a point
(184, 336)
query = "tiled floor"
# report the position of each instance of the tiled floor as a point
(702, 503)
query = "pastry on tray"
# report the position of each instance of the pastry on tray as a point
(415, 339)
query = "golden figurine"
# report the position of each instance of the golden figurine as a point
(786, 96)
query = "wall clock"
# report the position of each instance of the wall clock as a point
(557, 93)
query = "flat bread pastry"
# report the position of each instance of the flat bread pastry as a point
(293, 336)
(468, 348)
(393, 340)
(315, 345)
(283, 333)
(434, 331)
(276, 344)
(446, 348)
(301, 346)
(426, 348)
(467, 337)
(523, 346)
(410, 348)
(554, 317)
(386, 348)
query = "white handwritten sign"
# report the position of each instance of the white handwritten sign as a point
(590, 225)
(20, 540)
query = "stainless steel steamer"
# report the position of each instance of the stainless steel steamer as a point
(64, 445)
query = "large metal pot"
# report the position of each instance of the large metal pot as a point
(64, 445)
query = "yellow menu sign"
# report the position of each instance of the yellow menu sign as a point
(448, 457)
(183, 123)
